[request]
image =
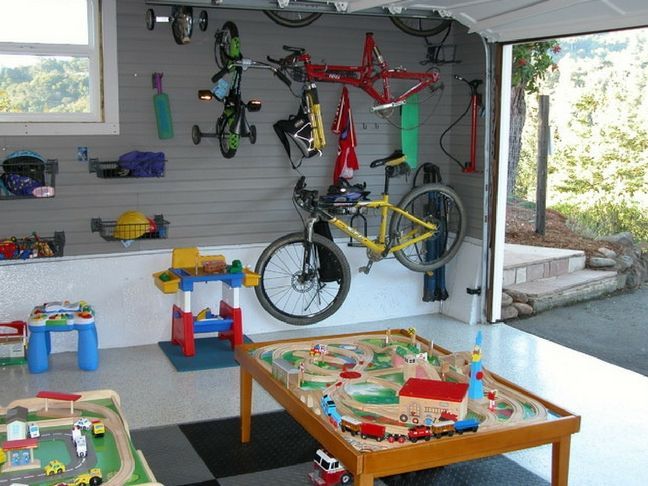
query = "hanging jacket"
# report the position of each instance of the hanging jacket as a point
(347, 161)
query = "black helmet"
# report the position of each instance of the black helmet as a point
(182, 24)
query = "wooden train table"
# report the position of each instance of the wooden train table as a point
(320, 380)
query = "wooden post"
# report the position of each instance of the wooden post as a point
(543, 151)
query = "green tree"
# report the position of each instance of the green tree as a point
(602, 175)
(531, 62)
(5, 102)
(51, 85)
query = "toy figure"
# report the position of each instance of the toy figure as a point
(492, 396)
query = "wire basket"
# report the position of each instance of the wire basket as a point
(28, 179)
(113, 169)
(33, 246)
(156, 228)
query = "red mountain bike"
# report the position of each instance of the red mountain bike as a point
(373, 76)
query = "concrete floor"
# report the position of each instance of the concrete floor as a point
(610, 449)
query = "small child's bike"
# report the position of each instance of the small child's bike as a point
(305, 277)
(232, 125)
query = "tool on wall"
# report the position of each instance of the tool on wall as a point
(434, 287)
(162, 109)
(181, 20)
(476, 107)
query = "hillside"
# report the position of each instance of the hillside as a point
(520, 229)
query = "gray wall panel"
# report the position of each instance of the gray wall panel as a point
(210, 200)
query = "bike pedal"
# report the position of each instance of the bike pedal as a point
(366, 268)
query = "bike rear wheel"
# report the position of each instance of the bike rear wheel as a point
(292, 19)
(293, 295)
(434, 203)
(227, 45)
(420, 27)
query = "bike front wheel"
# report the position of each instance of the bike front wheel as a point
(293, 287)
(228, 141)
(432, 203)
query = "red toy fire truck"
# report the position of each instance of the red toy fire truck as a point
(328, 471)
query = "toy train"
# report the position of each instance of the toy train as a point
(418, 432)
(441, 428)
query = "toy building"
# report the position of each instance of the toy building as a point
(423, 400)
(285, 372)
(19, 449)
(12, 343)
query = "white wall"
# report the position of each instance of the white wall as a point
(132, 311)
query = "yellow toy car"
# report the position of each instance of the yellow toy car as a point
(91, 478)
(98, 428)
(54, 467)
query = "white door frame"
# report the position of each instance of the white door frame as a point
(499, 219)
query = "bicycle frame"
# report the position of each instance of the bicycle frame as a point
(381, 245)
(366, 75)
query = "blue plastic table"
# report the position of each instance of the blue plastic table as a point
(62, 317)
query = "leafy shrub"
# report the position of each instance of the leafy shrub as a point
(605, 218)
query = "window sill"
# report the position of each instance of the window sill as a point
(65, 128)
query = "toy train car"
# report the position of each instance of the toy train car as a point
(368, 429)
(330, 409)
(442, 428)
(378, 432)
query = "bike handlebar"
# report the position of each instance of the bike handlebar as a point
(244, 64)
(304, 198)
(282, 77)
(220, 74)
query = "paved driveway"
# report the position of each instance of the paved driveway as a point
(613, 328)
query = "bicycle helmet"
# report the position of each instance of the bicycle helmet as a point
(182, 24)
(24, 172)
(25, 163)
(131, 225)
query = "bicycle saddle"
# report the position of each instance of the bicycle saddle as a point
(396, 158)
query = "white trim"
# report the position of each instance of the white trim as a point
(103, 75)
(502, 176)
(486, 199)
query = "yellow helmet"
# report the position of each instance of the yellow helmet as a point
(131, 225)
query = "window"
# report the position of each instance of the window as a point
(58, 67)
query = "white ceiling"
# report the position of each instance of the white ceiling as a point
(510, 20)
(497, 20)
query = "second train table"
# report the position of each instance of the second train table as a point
(291, 372)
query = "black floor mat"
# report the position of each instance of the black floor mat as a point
(277, 441)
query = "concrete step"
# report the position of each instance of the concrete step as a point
(567, 288)
(524, 263)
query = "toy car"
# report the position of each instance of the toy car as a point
(54, 467)
(81, 447)
(83, 423)
(91, 478)
(98, 428)
(34, 431)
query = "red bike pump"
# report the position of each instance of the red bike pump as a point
(475, 107)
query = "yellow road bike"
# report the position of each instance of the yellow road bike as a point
(305, 277)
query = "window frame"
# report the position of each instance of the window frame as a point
(103, 118)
